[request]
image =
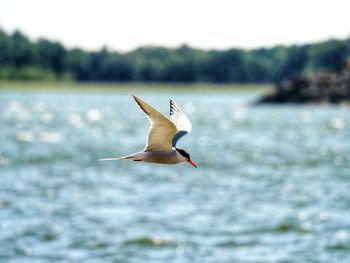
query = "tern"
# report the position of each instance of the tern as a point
(163, 136)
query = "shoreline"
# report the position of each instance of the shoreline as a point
(34, 86)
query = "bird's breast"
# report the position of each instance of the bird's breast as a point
(170, 157)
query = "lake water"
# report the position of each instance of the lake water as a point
(272, 184)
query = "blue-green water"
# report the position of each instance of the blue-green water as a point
(273, 183)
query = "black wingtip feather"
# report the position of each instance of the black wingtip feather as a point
(174, 109)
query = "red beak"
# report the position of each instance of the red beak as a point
(192, 163)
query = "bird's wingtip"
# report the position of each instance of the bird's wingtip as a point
(135, 97)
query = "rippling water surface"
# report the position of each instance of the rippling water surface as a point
(273, 183)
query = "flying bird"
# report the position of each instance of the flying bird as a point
(163, 136)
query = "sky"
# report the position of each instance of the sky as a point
(219, 24)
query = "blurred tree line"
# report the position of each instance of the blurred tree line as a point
(23, 59)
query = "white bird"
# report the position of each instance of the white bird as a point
(162, 136)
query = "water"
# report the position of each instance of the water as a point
(272, 184)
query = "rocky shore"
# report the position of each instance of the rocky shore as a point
(320, 87)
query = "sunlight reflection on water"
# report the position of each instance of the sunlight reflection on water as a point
(272, 183)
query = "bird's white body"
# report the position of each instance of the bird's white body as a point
(162, 136)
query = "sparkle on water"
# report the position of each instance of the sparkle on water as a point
(272, 183)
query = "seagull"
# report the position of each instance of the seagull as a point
(163, 136)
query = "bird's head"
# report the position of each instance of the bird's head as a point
(186, 156)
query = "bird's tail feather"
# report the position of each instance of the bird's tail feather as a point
(135, 157)
(109, 159)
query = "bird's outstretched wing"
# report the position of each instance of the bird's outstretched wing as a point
(180, 120)
(161, 132)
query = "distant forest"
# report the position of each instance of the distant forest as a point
(24, 59)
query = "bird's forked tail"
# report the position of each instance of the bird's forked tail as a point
(109, 159)
(134, 157)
